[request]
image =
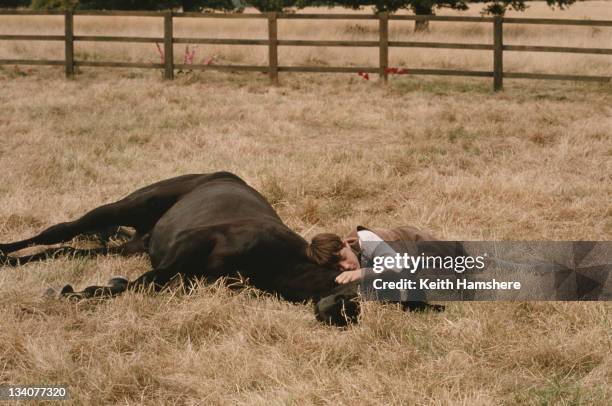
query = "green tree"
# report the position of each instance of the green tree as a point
(208, 5)
(187, 5)
(14, 3)
(499, 7)
(419, 7)
(128, 4)
(428, 7)
(276, 5)
(54, 4)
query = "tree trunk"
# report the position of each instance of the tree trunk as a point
(422, 25)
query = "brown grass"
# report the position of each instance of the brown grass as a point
(330, 152)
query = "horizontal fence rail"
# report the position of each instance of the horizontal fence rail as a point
(273, 42)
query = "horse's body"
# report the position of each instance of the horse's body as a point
(204, 225)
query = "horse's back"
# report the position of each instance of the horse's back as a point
(220, 199)
(222, 202)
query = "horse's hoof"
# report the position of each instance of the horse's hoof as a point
(118, 282)
(337, 310)
(437, 308)
(66, 290)
(422, 306)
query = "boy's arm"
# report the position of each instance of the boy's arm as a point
(370, 250)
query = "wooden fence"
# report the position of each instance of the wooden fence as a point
(273, 42)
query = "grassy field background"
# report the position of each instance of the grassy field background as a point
(330, 152)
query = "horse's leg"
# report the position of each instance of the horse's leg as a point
(113, 233)
(118, 213)
(141, 210)
(416, 306)
(155, 280)
(187, 257)
(116, 287)
(135, 246)
(53, 253)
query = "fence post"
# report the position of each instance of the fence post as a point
(383, 46)
(498, 53)
(273, 48)
(69, 43)
(168, 47)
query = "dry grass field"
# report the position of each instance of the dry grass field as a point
(330, 152)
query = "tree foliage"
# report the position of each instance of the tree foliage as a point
(429, 7)
(391, 6)
(271, 5)
(419, 7)
(212, 5)
(424, 7)
(128, 4)
(187, 5)
(54, 4)
(14, 3)
(499, 7)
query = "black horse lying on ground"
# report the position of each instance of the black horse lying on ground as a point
(204, 226)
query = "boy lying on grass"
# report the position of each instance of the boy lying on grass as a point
(356, 259)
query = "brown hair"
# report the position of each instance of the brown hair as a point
(324, 249)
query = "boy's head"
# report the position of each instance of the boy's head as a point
(329, 250)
